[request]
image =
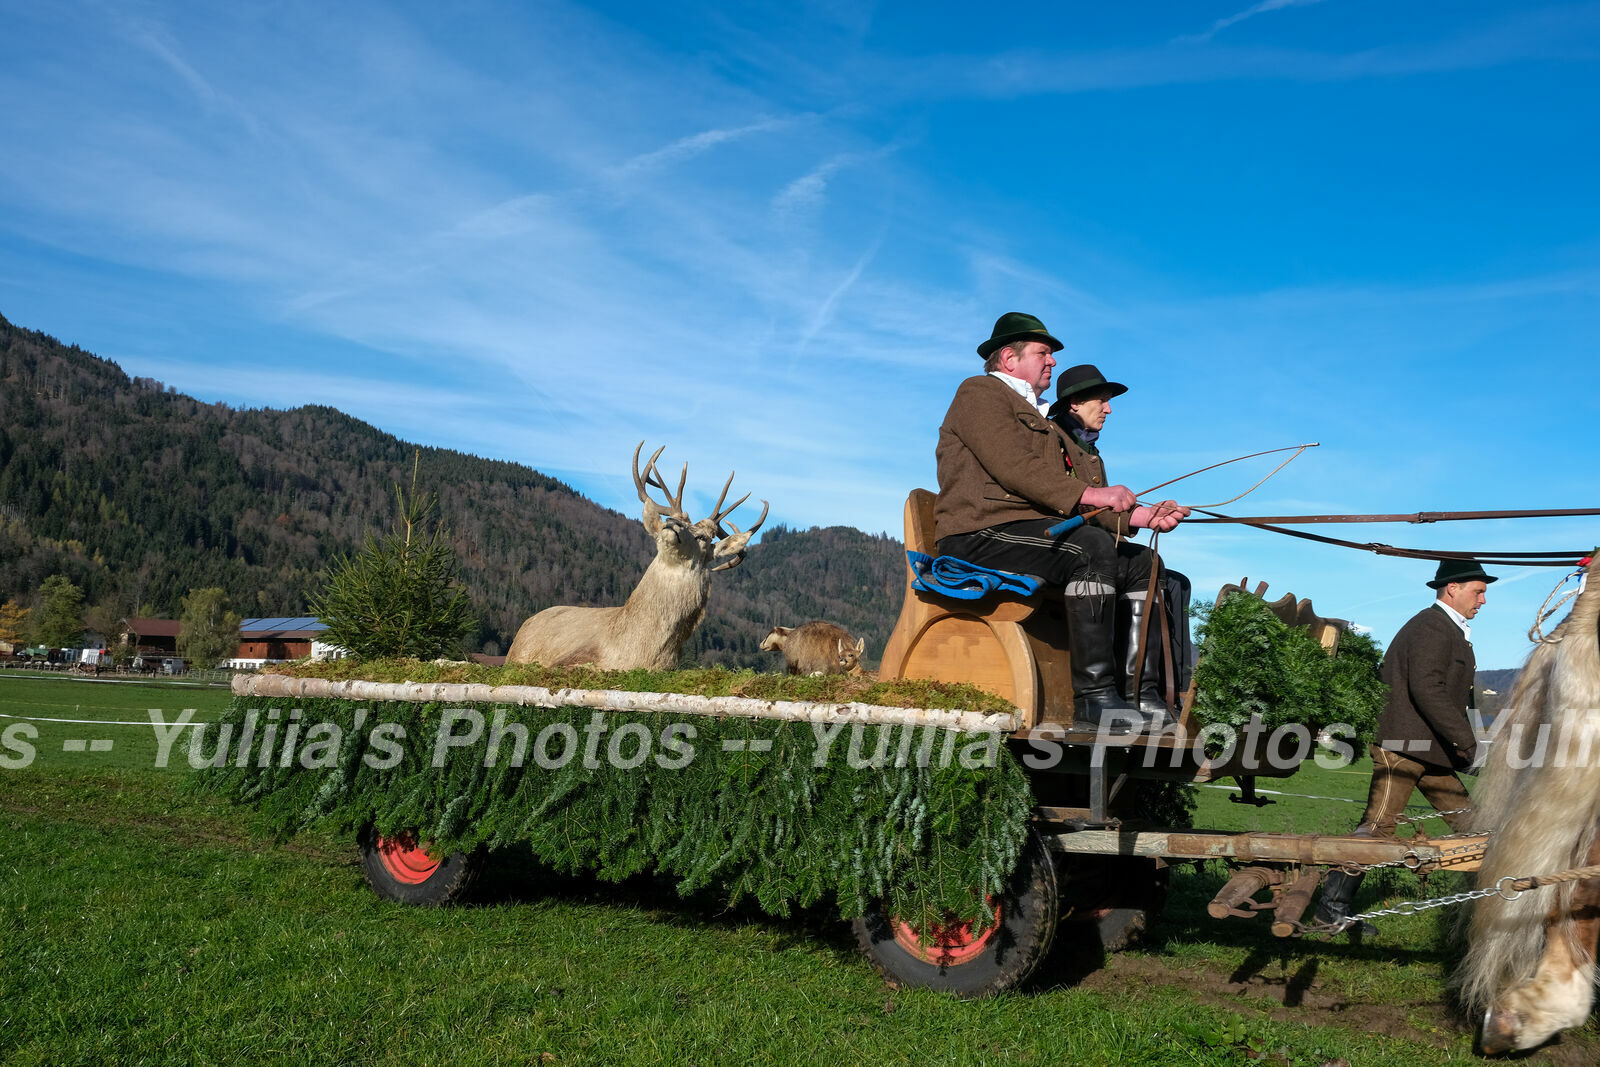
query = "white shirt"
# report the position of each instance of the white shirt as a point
(1457, 618)
(1024, 390)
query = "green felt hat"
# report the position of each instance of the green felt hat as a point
(1015, 326)
(1459, 570)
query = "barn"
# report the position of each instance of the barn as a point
(150, 637)
(275, 640)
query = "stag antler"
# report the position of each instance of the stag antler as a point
(731, 548)
(718, 513)
(652, 476)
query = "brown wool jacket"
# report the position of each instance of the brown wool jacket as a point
(1001, 461)
(1429, 668)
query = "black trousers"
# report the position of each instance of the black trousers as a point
(1085, 562)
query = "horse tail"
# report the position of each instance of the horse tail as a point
(1539, 796)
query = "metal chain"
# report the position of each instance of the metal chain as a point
(1413, 860)
(1407, 907)
(1508, 888)
(1410, 861)
(1413, 907)
(1431, 815)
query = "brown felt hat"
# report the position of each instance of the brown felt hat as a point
(1016, 326)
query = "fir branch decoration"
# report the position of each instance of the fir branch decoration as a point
(786, 812)
(1252, 665)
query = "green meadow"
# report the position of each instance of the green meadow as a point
(140, 924)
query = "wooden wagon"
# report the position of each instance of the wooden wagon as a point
(1091, 857)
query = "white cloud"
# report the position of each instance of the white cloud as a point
(1250, 12)
(1565, 33)
(685, 148)
(806, 192)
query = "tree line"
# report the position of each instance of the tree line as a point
(208, 629)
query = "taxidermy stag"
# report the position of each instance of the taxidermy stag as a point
(817, 648)
(648, 631)
(1530, 963)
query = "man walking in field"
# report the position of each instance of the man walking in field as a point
(1424, 736)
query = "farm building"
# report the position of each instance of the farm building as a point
(150, 636)
(276, 640)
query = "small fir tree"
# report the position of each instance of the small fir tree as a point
(1252, 664)
(208, 631)
(399, 595)
(59, 621)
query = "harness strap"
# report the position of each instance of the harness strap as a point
(1502, 559)
(1151, 605)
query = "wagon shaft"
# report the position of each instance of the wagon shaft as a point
(1458, 853)
(1289, 865)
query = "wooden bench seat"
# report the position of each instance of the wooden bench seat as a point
(1012, 646)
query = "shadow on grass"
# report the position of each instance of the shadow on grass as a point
(513, 875)
(1185, 921)
(1076, 954)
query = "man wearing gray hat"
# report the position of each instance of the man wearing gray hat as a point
(1008, 473)
(1424, 736)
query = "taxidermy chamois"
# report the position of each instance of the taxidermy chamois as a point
(648, 631)
(817, 648)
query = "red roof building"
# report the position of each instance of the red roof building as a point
(158, 636)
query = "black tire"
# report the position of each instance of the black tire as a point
(1115, 897)
(398, 869)
(1000, 958)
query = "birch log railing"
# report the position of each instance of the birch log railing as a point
(725, 707)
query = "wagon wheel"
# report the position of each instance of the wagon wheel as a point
(400, 869)
(956, 957)
(1114, 898)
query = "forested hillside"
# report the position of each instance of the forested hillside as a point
(139, 494)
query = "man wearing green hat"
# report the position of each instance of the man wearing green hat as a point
(1424, 736)
(1008, 473)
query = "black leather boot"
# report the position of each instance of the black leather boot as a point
(1090, 627)
(1338, 902)
(1150, 700)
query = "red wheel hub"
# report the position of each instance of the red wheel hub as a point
(945, 944)
(406, 860)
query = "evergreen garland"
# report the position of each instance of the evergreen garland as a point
(890, 813)
(1251, 664)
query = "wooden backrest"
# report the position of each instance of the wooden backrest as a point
(1292, 611)
(920, 534)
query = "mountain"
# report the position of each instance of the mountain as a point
(139, 493)
(1493, 688)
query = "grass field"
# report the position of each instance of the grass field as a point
(139, 924)
(110, 719)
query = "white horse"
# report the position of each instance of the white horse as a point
(1530, 962)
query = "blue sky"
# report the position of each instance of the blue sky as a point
(769, 236)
